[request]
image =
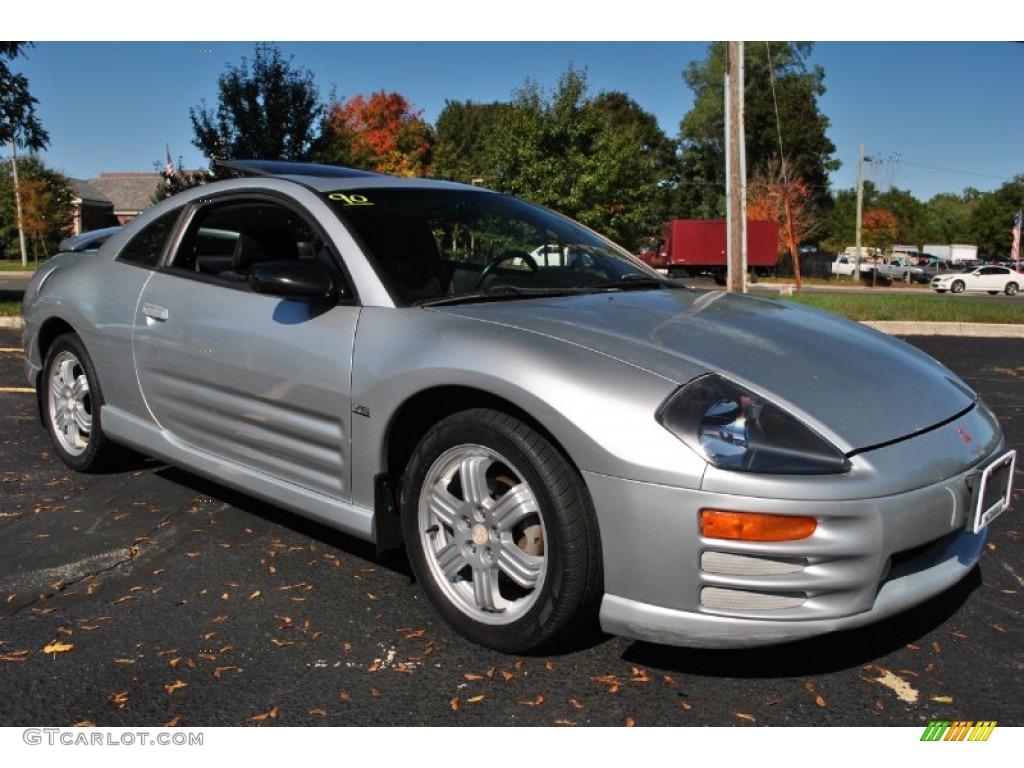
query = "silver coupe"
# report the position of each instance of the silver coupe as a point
(551, 430)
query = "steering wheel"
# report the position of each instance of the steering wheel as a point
(500, 259)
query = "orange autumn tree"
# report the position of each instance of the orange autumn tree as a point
(879, 227)
(381, 133)
(775, 195)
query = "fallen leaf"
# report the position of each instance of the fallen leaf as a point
(85, 724)
(173, 722)
(809, 687)
(549, 665)
(345, 696)
(124, 661)
(124, 599)
(255, 594)
(177, 685)
(375, 693)
(942, 699)
(534, 703)
(629, 721)
(475, 699)
(669, 679)
(563, 721)
(281, 643)
(686, 705)
(899, 686)
(639, 676)
(119, 699)
(936, 647)
(820, 701)
(576, 703)
(58, 647)
(171, 652)
(416, 634)
(473, 678)
(219, 619)
(509, 676)
(318, 712)
(454, 704)
(221, 670)
(272, 714)
(745, 716)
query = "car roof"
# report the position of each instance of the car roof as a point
(324, 178)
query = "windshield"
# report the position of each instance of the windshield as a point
(441, 246)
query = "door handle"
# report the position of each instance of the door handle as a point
(155, 311)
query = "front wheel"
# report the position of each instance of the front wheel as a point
(71, 401)
(500, 531)
(1011, 289)
(957, 286)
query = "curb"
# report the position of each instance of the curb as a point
(976, 330)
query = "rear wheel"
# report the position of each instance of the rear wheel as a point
(500, 531)
(71, 402)
(957, 286)
(1011, 289)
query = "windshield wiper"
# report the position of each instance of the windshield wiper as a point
(498, 293)
(624, 283)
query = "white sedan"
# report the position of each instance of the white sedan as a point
(990, 279)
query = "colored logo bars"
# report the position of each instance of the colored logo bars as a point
(959, 730)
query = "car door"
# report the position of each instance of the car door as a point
(261, 381)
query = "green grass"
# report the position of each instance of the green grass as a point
(928, 308)
(14, 265)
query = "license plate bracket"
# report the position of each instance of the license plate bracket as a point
(993, 489)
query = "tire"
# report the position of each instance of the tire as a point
(500, 532)
(957, 287)
(1011, 289)
(71, 402)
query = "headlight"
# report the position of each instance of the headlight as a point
(736, 429)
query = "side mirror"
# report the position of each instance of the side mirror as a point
(295, 280)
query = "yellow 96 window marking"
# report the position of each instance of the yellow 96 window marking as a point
(349, 199)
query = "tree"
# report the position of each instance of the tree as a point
(909, 213)
(599, 160)
(879, 228)
(19, 125)
(464, 133)
(269, 111)
(45, 201)
(774, 195)
(381, 134)
(991, 220)
(774, 73)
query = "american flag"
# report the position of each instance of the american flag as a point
(1015, 250)
(170, 164)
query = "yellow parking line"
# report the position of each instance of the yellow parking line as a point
(10, 349)
(16, 389)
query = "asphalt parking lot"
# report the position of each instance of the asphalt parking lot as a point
(150, 596)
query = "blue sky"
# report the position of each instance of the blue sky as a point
(937, 116)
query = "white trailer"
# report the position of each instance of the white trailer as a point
(955, 253)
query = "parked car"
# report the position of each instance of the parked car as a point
(87, 241)
(549, 442)
(987, 279)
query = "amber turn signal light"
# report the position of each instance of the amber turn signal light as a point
(754, 526)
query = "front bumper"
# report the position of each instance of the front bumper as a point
(868, 559)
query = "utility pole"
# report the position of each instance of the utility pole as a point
(17, 201)
(735, 171)
(860, 208)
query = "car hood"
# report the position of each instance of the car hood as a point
(854, 385)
